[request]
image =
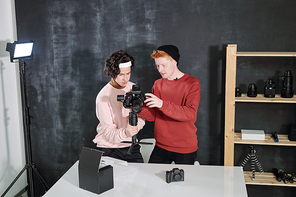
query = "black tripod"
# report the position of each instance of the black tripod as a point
(133, 120)
(254, 160)
(30, 166)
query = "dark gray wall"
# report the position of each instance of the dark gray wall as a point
(74, 37)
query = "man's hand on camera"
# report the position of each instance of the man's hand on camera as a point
(131, 130)
(153, 101)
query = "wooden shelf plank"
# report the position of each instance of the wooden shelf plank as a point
(261, 99)
(267, 54)
(283, 140)
(266, 178)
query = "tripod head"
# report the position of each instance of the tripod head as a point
(252, 150)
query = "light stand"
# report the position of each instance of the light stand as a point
(254, 160)
(30, 166)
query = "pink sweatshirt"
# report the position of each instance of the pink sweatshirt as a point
(113, 118)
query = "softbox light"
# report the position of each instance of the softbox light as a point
(20, 50)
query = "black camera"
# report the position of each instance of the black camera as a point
(174, 175)
(133, 99)
(280, 174)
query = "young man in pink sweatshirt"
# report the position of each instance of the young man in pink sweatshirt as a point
(173, 107)
(114, 126)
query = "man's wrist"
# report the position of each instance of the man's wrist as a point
(161, 103)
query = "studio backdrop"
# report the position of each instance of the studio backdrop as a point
(74, 37)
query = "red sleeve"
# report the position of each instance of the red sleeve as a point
(147, 113)
(188, 109)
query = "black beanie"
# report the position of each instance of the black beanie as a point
(172, 50)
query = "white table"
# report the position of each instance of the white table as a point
(142, 179)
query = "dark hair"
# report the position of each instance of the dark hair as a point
(112, 63)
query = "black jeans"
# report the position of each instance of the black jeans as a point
(160, 155)
(121, 153)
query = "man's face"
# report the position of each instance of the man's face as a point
(124, 76)
(166, 67)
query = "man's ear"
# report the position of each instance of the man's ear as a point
(174, 62)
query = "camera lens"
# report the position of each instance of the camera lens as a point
(137, 106)
(238, 92)
(252, 90)
(269, 89)
(177, 177)
(287, 90)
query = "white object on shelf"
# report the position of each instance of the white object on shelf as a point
(253, 134)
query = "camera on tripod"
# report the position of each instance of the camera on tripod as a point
(133, 99)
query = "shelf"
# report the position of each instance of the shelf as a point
(266, 178)
(261, 99)
(266, 54)
(283, 140)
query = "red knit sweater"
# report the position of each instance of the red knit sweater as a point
(174, 128)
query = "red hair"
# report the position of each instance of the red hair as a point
(159, 53)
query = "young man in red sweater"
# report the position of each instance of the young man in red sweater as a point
(173, 106)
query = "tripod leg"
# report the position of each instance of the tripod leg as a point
(13, 182)
(45, 185)
(22, 191)
(258, 164)
(134, 142)
(246, 160)
(253, 166)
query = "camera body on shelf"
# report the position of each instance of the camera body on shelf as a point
(175, 175)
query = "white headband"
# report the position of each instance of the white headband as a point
(126, 64)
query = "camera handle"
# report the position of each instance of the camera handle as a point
(133, 120)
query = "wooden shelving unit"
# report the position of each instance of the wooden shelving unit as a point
(231, 137)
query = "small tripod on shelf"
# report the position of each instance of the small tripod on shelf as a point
(254, 160)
